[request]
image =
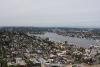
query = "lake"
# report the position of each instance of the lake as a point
(71, 40)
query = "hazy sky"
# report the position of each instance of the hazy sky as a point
(69, 13)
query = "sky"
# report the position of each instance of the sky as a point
(50, 13)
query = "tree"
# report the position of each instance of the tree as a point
(66, 42)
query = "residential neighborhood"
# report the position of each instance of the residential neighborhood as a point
(18, 49)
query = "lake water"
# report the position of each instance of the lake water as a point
(71, 40)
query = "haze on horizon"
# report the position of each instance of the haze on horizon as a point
(50, 13)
